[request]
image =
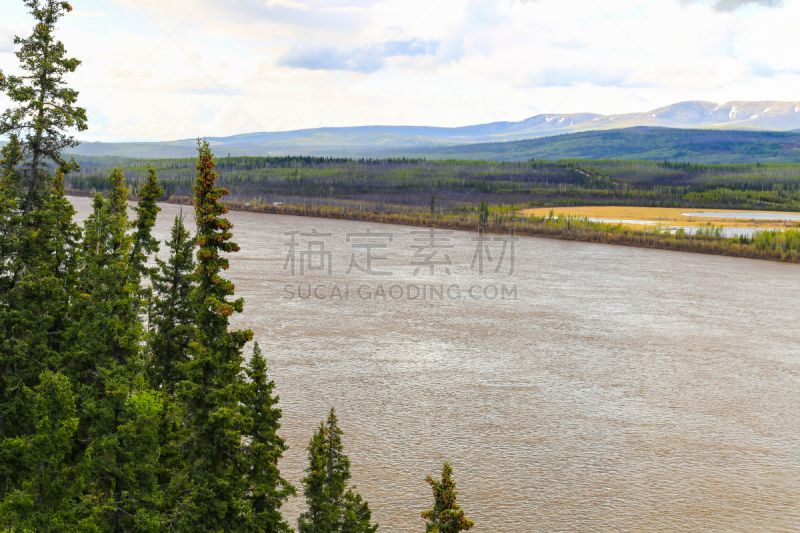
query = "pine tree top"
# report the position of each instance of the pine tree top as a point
(446, 516)
(45, 107)
(147, 210)
(213, 237)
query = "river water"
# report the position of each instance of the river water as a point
(617, 389)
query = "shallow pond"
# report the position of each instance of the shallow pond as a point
(746, 215)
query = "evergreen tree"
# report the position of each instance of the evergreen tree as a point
(12, 358)
(45, 500)
(446, 516)
(213, 485)
(356, 514)
(321, 516)
(117, 436)
(46, 107)
(144, 244)
(268, 489)
(37, 274)
(483, 214)
(332, 506)
(172, 313)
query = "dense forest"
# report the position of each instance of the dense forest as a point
(394, 185)
(451, 193)
(127, 402)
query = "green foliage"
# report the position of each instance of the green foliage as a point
(117, 435)
(213, 486)
(446, 516)
(321, 515)
(37, 273)
(268, 489)
(781, 241)
(46, 107)
(44, 500)
(172, 312)
(483, 214)
(144, 244)
(356, 514)
(332, 506)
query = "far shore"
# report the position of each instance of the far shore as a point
(667, 216)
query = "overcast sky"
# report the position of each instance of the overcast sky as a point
(156, 70)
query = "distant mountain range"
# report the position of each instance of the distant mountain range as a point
(637, 143)
(380, 141)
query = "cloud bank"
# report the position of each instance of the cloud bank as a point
(237, 66)
(727, 6)
(363, 58)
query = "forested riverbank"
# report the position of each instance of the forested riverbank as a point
(127, 402)
(774, 245)
(451, 194)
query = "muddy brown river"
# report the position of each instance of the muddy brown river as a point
(579, 387)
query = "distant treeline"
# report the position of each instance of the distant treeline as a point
(397, 184)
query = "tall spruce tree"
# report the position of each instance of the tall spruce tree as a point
(36, 230)
(37, 275)
(268, 490)
(172, 329)
(332, 506)
(46, 108)
(172, 313)
(446, 516)
(214, 485)
(119, 415)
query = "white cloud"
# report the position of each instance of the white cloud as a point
(732, 5)
(363, 58)
(238, 66)
(7, 33)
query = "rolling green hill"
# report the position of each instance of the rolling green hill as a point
(641, 143)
